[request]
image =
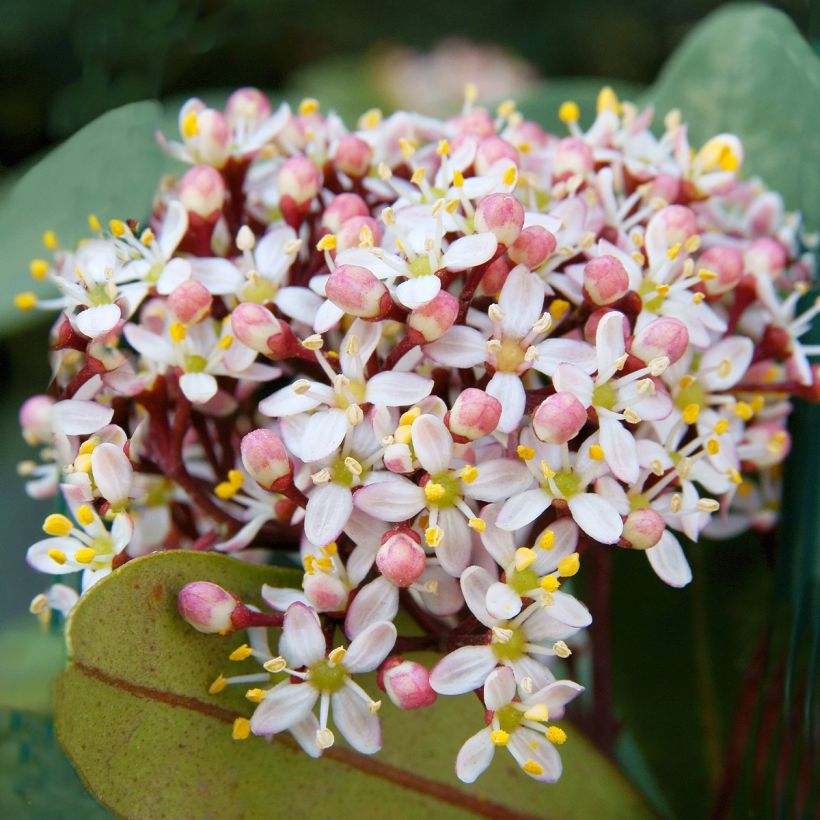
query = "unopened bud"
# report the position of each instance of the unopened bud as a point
(665, 336)
(475, 414)
(299, 179)
(190, 301)
(35, 419)
(352, 232)
(643, 528)
(432, 320)
(342, 208)
(605, 280)
(559, 418)
(211, 138)
(726, 263)
(325, 592)
(766, 256)
(501, 215)
(256, 327)
(358, 292)
(247, 106)
(352, 156)
(206, 606)
(533, 246)
(492, 149)
(407, 683)
(266, 459)
(572, 157)
(401, 559)
(202, 191)
(495, 276)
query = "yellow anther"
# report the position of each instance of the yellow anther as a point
(433, 491)
(558, 309)
(147, 237)
(477, 524)
(241, 653)
(725, 369)
(505, 108)
(225, 490)
(408, 147)
(698, 297)
(84, 555)
(85, 515)
(509, 175)
(556, 735)
(469, 474)
(82, 464)
(538, 713)
(313, 342)
(403, 434)
(57, 525)
(734, 476)
(452, 206)
(38, 269)
(256, 695)
(337, 655)
(525, 453)
(713, 446)
(570, 565)
(608, 101)
(546, 470)
(549, 583)
(308, 106)
(500, 738)
(721, 427)
(686, 381)
(370, 119)
(757, 404)
(331, 549)
(596, 452)
(547, 540)
(691, 413)
(569, 111)
(50, 240)
(470, 92)
(674, 251)
(275, 665)
(324, 564)
(309, 563)
(744, 487)
(220, 682)
(675, 503)
(94, 223)
(236, 477)
(116, 226)
(327, 242)
(177, 332)
(705, 275)
(190, 125)
(89, 445)
(433, 536)
(458, 179)
(409, 416)
(561, 649)
(225, 342)
(58, 556)
(418, 176)
(662, 290)
(533, 768)
(524, 558)
(241, 729)
(744, 411)
(366, 237)
(443, 148)
(25, 301)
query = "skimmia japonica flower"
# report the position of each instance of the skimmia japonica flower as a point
(444, 362)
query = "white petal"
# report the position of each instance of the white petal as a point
(499, 543)
(150, 345)
(555, 696)
(498, 479)
(456, 548)
(353, 719)
(544, 754)
(287, 402)
(173, 274)
(112, 472)
(367, 335)
(669, 561)
(596, 517)
(507, 388)
(304, 733)
(463, 670)
(503, 602)
(390, 500)
(469, 251)
(460, 346)
(522, 300)
(475, 583)
(80, 418)
(280, 598)
(553, 352)
(327, 316)
(324, 432)
(284, 706)
(37, 555)
(609, 343)
(499, 690)
(447, 599)
(371, 646)
(198, 387)
(526, 668)
(737, 351)
(569, 378)
(433, 443)
(523, 508)
(302, 642)
(328, 508)
(397, 389)
(174, 226)
(620, 450)
(97, 321)
(301, 304)
(376, 601)
(413, 293)
(475, 756)
(219, 276)
(568, 610)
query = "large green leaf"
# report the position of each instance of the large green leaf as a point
(136, 719)
(110, 168)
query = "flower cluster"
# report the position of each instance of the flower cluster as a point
(438, 360)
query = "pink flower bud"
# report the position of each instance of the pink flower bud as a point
(559, 418)
(665, 336)
(406, 683)
(727, 263)
(266, 459)
(475, 414)
(665, 187)
(675, 223)
(643, 528)
(358, 292)
(401, 559)
(256, 327)
(433, 320)
(766, 256)
(352, 156)
(206, 606)
(190, 301)
(342, 208)
(594, 319)
(212, 137)
(35, 419)
(572, 156)
(495, 276)
(355, 229)
(477, 122)
(325, 592)
(605, 280)
(247, 105)
(492, 149)
(398, 459)
(528, 133)
(202, 190)
(299, 179)
(533, 246)
(502, 215)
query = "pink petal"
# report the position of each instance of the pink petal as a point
(475, 756)
(358, 726)
(394, 500)
(433, 443)
(371, 646)
(328, 508)
(376, 601)
(302, 642)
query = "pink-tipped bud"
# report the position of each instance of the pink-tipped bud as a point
(202, 191)
(358, 230)
(665, 187)
(352, 156)
(594, 319)
(559, 418)
(35, 419)
(492, 149)
(247, 106)
(502, 215)
(477, 122)
(661, 337)
(674, 223)
(325, 592)
(766, 256)
(643, 528)
(212, 138)
(266, 459)
(495, 276)
(407, 683)
(358, 292)
(206, 606)
(605, 280)
(299, 179)
(572, 157)
(528, 133)
(724, 261)
(190, 301)
(401, 559)
(433, 320)
(342, 208)
(533, 246)
(256, 327)
(475, 414)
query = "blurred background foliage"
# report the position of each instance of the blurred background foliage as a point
(710, 682)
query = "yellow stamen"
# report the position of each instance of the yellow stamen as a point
(337, 655)
(256, 695)
(608, 101)
(469, 474)
(241, 729)
(509, 175)
(547, 540)
(546, 470)
(177, 332)
(531, 767)
(403, 434)
(433, 492)
(58, 556)
(225, 490)
(85, 515)
(569, 111)
(225, 343)
(50, 240)
(147, 237)
(713, 446)
(570, 565)
(190, 125)
(240, 653)
(525, 453)
(744, 411)
(477, 524)
(94, 223)
(220, 682)
(117, 227)
(558, 309)
(433, 536)
(236, 477)
(57, 525)
(443, 148)
(38, 269)
(458, 179)
(505, 108)
(330, 549)
(500, 738)
(524, 558)
(84, 555)
(418, 176)
(721, 427)
(25, 301)
(691, 413)
(275, 665)
(308, 106)
(370, 119)
(89, 444)
(82, 464)
(596, 452)
(327, 242)
(556, 735)
(539, 713)
(561, 649)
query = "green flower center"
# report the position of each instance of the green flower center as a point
(509, 718)
(655, 301)
(99, 295)
(194, 363)
(420, 266)
(511, 649)
(353, 388)
(327, 677)
(340, 473)
(605, 395)
(693, 394)
(510, 356)
(568, 483)
(638, 501)
(522, 581)
(443, 490)
(259, 290)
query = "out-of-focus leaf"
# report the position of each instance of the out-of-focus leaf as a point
(158, 744)
(33, 658)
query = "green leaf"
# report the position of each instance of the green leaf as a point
(111, 168)
(748, 70)
(136, 719)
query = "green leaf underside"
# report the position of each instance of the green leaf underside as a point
(136, 719)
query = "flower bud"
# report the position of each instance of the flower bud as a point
(358, 292)
(643, 528)
(352, 156)
(433, 320)
(724, 261)
(190, 301)
(665, 336)
(299, 179)
(407, 683)
(559, 418)
(605, 280)
(475, 414)
(398, 459)
(212, 137)
(206, 606)
(266, 459)
(35, 419)
(495, 276)
(401, 559)
(572, 157)
(533, 246)
(247, 106)
(502, 215)
(202, 191)
(672, 225)
(594, 319)
(766, 256)
(528, 133)
(256, 327)
(355, 230)
(663, 186)
(492, 149)
(477, 122)
(342, 208)
(325, 592)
